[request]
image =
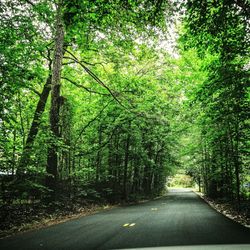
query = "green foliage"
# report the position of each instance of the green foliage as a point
(181, 180)
(129, 114)
(115, 137)
(219, 31)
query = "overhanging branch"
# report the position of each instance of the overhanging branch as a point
(83, 87)
(96, 78)
(91, 121)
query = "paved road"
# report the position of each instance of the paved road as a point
(180, 218)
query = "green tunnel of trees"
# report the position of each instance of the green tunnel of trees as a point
(93, 106)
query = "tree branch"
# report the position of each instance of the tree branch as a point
(81, 86)
(82, 61)
(91, 121)
(244, 5)
(34, 6)
(35, 91)
(96, 78)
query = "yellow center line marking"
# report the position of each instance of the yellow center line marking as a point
(129, 225)
(154, 209)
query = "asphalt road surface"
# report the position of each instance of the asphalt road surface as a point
(180, 218)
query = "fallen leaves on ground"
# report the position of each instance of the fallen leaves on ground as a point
(24, 217)
(228, 209)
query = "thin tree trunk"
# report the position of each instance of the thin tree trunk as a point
(99, 156)
(13, 154)
(126, 160)
(21, 120)
(237, 164)
(235, 159)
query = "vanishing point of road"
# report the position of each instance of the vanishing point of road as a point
(177, 219)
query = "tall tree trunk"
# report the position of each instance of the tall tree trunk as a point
(136, 175)
(237, 163)
(52, 164)
(99, 155)
(125, 173)
(34, 126)
(13, 154)
(205, 167)
(235, 160)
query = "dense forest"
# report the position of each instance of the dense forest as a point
(101, 101)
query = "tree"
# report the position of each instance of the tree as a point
(219, 31)
(68, 18)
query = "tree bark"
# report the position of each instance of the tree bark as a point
(99, 155)
(52, 161)
(237, 164)
(24, 160)
(125, 173)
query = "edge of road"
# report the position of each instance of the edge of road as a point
(237, 218)
(48, 222)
